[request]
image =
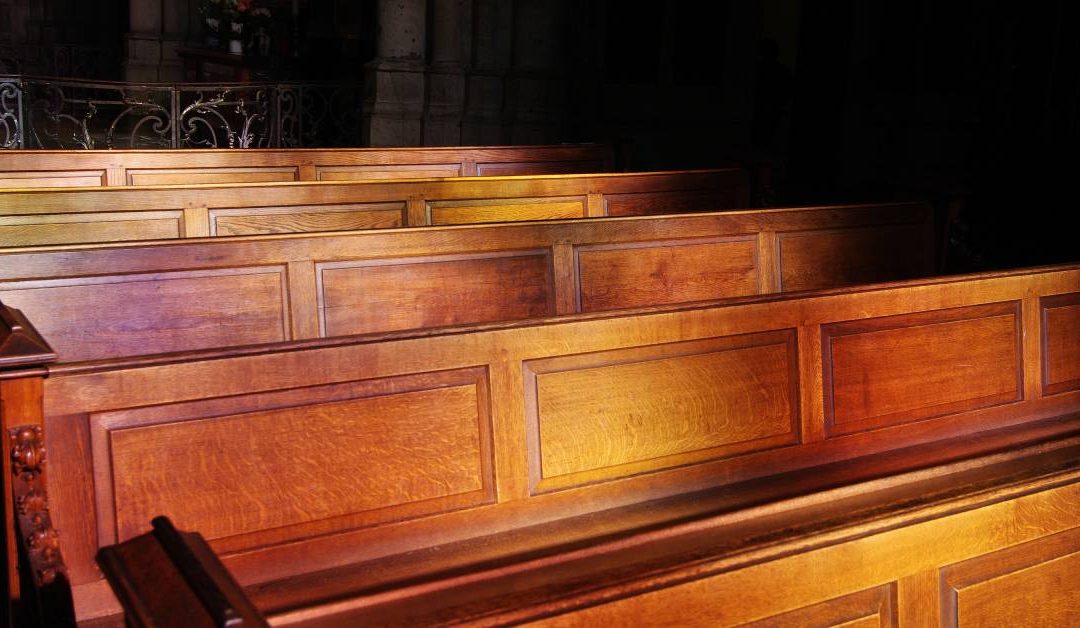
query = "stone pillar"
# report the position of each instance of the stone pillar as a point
(450, 44)
(536, 90)
(157, 29)
(394, 103)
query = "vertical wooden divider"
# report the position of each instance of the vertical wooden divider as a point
(307, 172)
(811, 393)
(196, 222)
(919, 599)
(468, 168)
(416, 213)
(594, 205)
(768, 250)
(1031, 346)
(303, 300)
(565, 277)
(508, 430)
(115, 176)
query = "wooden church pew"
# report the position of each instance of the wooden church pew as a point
(74, 215)
(728, 460)
(80, 168)
(170, 296)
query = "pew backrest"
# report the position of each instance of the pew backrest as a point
(74, 215)
(79, 168)
(110, 301)
(309, 456)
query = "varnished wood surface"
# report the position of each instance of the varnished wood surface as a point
(236, 409)
(95, 302)
(66, 168)
(74, 215)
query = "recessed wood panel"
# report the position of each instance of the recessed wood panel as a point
(387, 171)
(360, 452)
(198, 176)
(652, 203)
(42, 229)
(617, 413)
(1061, 351)
(620, 276)
(306, 218)
(872, 608)
(142, 314)
(898, 369)
(431, 292)
(52, 179)
(827, 259)
(468, 212)
(1033, 584)
(538, 167)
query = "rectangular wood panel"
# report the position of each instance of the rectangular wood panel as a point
(899, 369)
(652, 203)
(387, 171)
(129, 315)
(306, 218)
(653, 273)
(52, 179)
(434, 291)
(616, 413)
(871, 608)
(459, 213)
(827, 259)
(538, 167)
(360, 451)
(1033, 584)
(43, 229)
(198, 176)
(1060, 350)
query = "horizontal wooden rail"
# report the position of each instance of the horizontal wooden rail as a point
(68, 168)
(74, 215)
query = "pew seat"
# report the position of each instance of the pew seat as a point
(735, 460)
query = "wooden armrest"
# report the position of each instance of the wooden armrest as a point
(170, 578)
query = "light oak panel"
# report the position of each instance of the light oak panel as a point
(360, 452)
(899, 369)
(200, 176)
(306, 218)
(872, 608)
(434, 291)
(1061, 352)
(826, 259)
(127, 315)
(630, 275)
(1034, 584)
(648, 204)
(387, 171)
(53, 179)
(616, 413)
(548, 167)
(469, 212)
(43, 229)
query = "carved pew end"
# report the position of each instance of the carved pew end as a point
(167, 578)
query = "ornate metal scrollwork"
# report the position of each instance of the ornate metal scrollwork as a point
(10, 114)
(40, 540)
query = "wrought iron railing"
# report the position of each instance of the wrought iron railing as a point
(65, 113)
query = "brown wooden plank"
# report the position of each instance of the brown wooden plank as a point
(808, 258)
(1061, 355)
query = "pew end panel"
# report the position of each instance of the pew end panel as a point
(440, 438)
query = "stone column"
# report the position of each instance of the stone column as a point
(450, 44)
(536, 90)
(394, 104)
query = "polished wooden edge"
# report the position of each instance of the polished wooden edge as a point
(21, 345)
(249, 151)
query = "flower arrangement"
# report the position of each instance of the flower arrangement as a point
(229, 19)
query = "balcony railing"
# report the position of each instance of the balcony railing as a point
(38, 112)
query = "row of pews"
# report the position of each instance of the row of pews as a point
(628, 414)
